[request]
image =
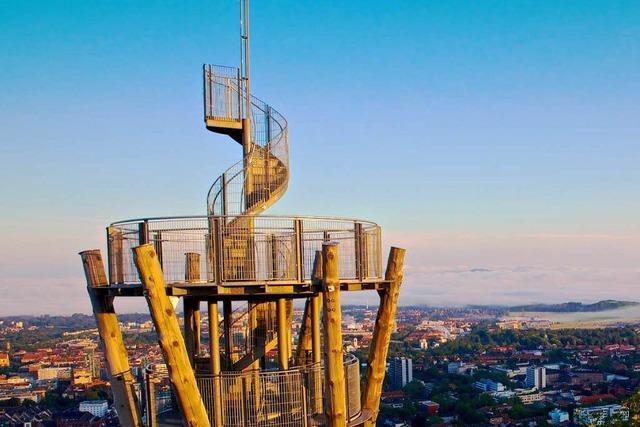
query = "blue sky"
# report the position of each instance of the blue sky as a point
(501, 135)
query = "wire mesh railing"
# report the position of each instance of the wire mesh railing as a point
(158, 396)
(252, 326)
(262, 176)
(290, 398)
(244, 248)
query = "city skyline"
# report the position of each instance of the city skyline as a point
(506, 137)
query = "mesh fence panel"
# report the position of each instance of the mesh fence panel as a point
(278, 398)
(245, 248)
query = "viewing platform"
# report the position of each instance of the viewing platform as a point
(240, 255)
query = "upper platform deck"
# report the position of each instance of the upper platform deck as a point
(240, 255)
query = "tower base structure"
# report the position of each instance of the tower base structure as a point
(253, 371)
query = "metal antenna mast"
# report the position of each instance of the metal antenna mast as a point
(244, 53)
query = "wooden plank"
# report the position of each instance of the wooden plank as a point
(169, 337)
(382, 334)
(333, 354)
(122, 382)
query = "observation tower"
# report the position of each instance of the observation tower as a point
(244, 365)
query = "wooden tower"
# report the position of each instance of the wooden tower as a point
(248, 270)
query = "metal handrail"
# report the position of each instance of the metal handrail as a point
(232, 249)
(268, 156)
(187, 217)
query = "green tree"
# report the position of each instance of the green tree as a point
(415, 390)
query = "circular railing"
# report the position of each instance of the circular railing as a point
(244, 248)
(278, 398)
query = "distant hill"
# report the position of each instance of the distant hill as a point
(575, 307)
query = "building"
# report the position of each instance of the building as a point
(76, 419)
(585, 377)
(506, 394)
(401, 371)
(536, 377)
(81, 376)
(97, 408)
(558, 416)
(527, 397)
(510, 373)
(489, 385)
(54, 373)
(4, 360)
(430, 407)
(600, 415)
(461, 368)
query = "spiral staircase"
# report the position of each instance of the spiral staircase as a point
(261, 177)
(245, 189)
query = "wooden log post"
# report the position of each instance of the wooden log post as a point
(309, 338)
(283, 334)
(191, 307)
(316, 308)
(289, 326)
(382, 335)
(116, 255)
(227, 312)
(214, 351)
(316, 320)
(169, 337)
(152, 411)
(333, 354)
(255, 335)
(122, 382)
(192, 267)
(304, 338)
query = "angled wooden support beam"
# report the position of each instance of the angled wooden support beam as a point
(227, 312)
(316, 319)
(316, 339)
(335, 408)
(309, 338)
(382, 334)
(169, 337)
(122, 382)
(304, 338)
